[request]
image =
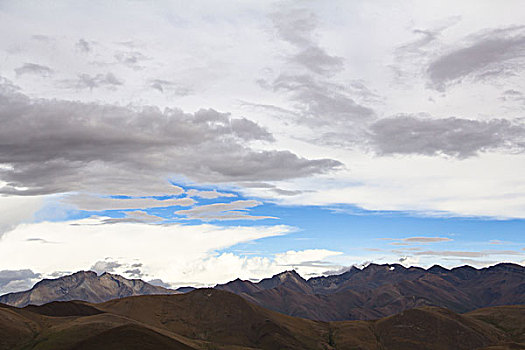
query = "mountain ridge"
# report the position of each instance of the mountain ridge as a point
(82, 285)
(383, 290)
(375, 291)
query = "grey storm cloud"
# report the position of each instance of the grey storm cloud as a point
(33, 68)
(53, 146)
(450, 136)
(15, 280)
(490, 54)
(236, 210)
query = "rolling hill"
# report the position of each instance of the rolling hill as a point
(215, 319)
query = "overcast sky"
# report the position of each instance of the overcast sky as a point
(194, 142)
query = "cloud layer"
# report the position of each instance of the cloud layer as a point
(50, 146)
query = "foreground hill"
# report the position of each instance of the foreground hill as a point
(214, 319)
(83, 285)
(382, 290)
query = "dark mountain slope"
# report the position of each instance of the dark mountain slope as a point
(383, 290)
(213, 319)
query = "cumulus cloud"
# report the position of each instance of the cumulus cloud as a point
(173, 253)
(491, 54)
(456, 137)
(236, 210)
(16, 280)
(106, 265)
(33, 68)
(52, 146)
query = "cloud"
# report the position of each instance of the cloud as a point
(159, 282)
(208, 194)
(92, 202)
(491, 54)
(283, 192)
(236, 210)
(87, 81)
(328, 109)
(53, 146)
(426, 239)
(33, 68)
(455, 137)
(39, 240)
(18, 209)
(334, 112)
(307, 258)
(106, 265)
(16, 280)
(173, 253)
(166, 86)
(130, 58)
(83, 46)
(136, 216)
(467, 254)
(296, 26)
(512, 95)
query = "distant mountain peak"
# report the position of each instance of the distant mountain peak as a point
(82, 285)
(283, 276)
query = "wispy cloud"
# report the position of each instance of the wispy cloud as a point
(495, 53)
(236, 210)
(33, 68)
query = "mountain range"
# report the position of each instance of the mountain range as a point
(382, 290)
(83, 285)
(373, 292)
(215, 319)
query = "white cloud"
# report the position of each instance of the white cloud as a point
(173, 253)
(489, 185)
(14, 210)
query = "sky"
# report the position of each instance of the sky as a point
(195, 142)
